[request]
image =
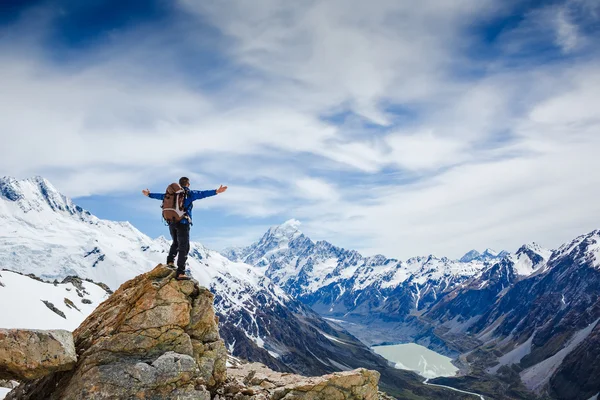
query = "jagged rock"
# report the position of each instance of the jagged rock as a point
(30, 354)
(154, 338)
(255, 381)
(54, 308)
(5, 383)
(70, 304)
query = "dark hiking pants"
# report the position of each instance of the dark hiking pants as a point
(180, 233)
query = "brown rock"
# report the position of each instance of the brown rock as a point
(154, 338)
(360, 384)
(29, 354)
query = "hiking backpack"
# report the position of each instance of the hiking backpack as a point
(172, 206)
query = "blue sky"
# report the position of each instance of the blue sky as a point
(385, 126)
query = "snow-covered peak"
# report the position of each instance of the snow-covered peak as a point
(9, 188)
(286, 231)
(530, 258)
(585, 249)
(503, 254)
(487, 255)
(36, 195)
(490, 252)
(278, 240)
(533, 249)
(470, 256)
(15, 190)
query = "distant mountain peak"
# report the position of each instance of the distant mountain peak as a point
(503, 254)
(37, 194)
(470, 256)
(490, 252)
(19, 189)
(289, 229)
(487, 255)
(584, 249)
(10, 189)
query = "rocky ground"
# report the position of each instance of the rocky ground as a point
(256, 381)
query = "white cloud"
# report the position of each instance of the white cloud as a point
(423, 150)
(346, 51)
(316, 189)
(250, 202)
(567, 36)
(306, 124)
(544, 188)
(576, 105)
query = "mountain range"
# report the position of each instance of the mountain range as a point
(47, 237)
(520, 325)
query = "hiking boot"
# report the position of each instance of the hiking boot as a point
(183, 277)
(171, 265)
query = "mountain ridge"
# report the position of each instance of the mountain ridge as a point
(473, 309)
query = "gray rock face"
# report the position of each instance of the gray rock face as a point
(30, 354)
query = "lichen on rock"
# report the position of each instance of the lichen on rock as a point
(30, 354)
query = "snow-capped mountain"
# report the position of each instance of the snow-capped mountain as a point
(530, 318)
(377, 291)
(44, 233)
(487, 255)
(460, 308)
(303, 267)
(545, 329)
(536, 311)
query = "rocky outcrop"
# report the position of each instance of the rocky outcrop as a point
(154, 338)
(257, 382)
(30, 354)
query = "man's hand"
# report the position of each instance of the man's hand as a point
(221, 189)
(146, 192)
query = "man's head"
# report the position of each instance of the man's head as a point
(184, 182)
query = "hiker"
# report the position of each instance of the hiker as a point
(180, 221)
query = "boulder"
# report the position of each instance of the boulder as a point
(154, 338)
(256, 381)
(30, 354)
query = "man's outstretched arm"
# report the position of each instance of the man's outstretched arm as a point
(200, 194)
(157, 196)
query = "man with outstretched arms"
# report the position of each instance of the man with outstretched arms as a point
(178, 214)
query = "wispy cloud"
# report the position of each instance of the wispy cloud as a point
(381, 126)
